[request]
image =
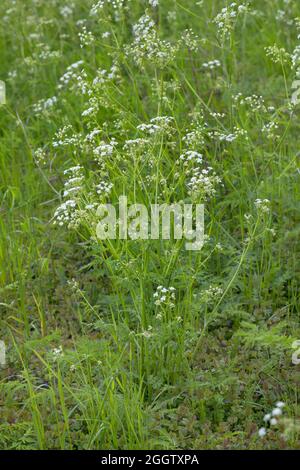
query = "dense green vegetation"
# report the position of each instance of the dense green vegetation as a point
(142, 344)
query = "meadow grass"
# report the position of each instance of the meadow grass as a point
(164, 102)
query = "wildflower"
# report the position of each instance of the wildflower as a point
(164, 296)
(39, 156)
(149, 128)
(44, 53)
(190, 156)
(191, 40)
(147, 333)
(147, 46)
(203, 183)
(219, 248)
(57, 352)
(73, 284)
(295, 57)
(117, 6)
(135, 143)
(104, 149)
(73, 76)
(238, 132)
(104, 76)
(65, 213)
(262, 432)
(96, 7)
(269, 130)
(277, 54)
(262, 205)
(212, 64)
(271, 419)
(66, 11)
(277, 412)
(104, 188)
(91, 136)
(92, 108)
(226, 19)
(44, 105)
(212, 293)
(65, 137)
(195, 137)
(255, 103)
(86, 37)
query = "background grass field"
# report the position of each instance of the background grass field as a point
(92, 360)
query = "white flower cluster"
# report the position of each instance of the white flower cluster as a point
(277, 54)
(91, 135)
(105, 150)
(270, 129)
(92, 109)
(211, 294)
(45, 53)
(165, 296)
(86, 37)
(225, 20)
(104, 188)
(73, 184)
(104, 76)
(281, 15)
(212, 64)
(138, 143)
(147, 46)
(296, 56)
(237, 132)
(66, 10)
(272, 418)
(190, 156)
(254, 102)
(195, 137)
(39, 156)
(157, 124)
(191, 40)
(72, 75)
(203, 183)
(217, 115)
(65, 137)
(262, 205)
(65, 213)
(44, 105)
(57, 352)
(97, 7)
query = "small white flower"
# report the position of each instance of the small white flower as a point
(262, 432)
(277, 412)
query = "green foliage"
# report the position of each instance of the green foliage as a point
(93, 360)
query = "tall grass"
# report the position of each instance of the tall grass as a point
(93, 361)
